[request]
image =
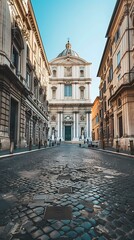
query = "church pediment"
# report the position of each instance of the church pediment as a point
(68, 61)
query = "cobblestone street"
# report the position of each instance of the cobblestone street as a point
(67, 192)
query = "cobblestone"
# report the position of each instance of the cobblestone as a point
(96, 187)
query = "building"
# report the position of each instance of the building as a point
(24, 74)
(95, 119)
(69, 97)
(116, 71)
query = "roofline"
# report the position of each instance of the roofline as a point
(70, 56)
(113, 16)
(39, 36)
(103, 56)
(106, 36)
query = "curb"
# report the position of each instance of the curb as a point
(112, 152)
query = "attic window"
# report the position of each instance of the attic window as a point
(81, 71)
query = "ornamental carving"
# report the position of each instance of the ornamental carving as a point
(25, 31)
(82, 117)
(53, 118)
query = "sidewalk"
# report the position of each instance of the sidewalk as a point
(19, 151)
(113, 151)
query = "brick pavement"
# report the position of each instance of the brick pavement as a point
(67, 193)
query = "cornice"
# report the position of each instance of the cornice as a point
(36, 31)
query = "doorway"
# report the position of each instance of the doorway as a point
(67, 133)
(14, 121)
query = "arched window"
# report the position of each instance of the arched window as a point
(54, 72)
(81, 71)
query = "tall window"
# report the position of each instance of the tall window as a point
(15, 59)
(120, 127)
(28, 78)
(117, 35)
(118, 59)
(67, 90)
(53, 93)
(54, 73)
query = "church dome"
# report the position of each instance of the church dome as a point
(68, 51)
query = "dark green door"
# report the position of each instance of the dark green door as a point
(67, 133)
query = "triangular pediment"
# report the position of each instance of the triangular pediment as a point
(68, 61)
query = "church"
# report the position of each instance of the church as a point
(69, 97)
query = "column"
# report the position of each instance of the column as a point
(74, 125)
(87, 123)
(77, 125)
(58, 125)
(87, 91)
(61, 124)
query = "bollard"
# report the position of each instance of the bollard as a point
(11, 147)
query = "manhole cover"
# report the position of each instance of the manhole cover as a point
(65, 190)
(58, 213)
(64, 177)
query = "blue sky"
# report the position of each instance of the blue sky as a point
(84, 22)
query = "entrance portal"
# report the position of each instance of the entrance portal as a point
(14, 121)
(67, 133)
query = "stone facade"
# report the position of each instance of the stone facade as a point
(69, 97)
(24, 74)
(117, 78)
(95, 119)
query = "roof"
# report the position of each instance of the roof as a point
(68, 51)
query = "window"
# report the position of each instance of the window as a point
(81, 71)
(68, 90)
(54, 73)
(119, 77)
(67, 71)
(53, 93)
(111, 73)
(28, 52)
(97, 118)
(28, 77)
(36, 88)
(17, 47)
(118, 59)
(105, 106)
(35, 48)
(15, 59)
(117, 35)
(120, 127)
(82, 93)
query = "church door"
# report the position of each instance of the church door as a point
(67, 133)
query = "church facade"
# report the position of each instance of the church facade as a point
(69, 97)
